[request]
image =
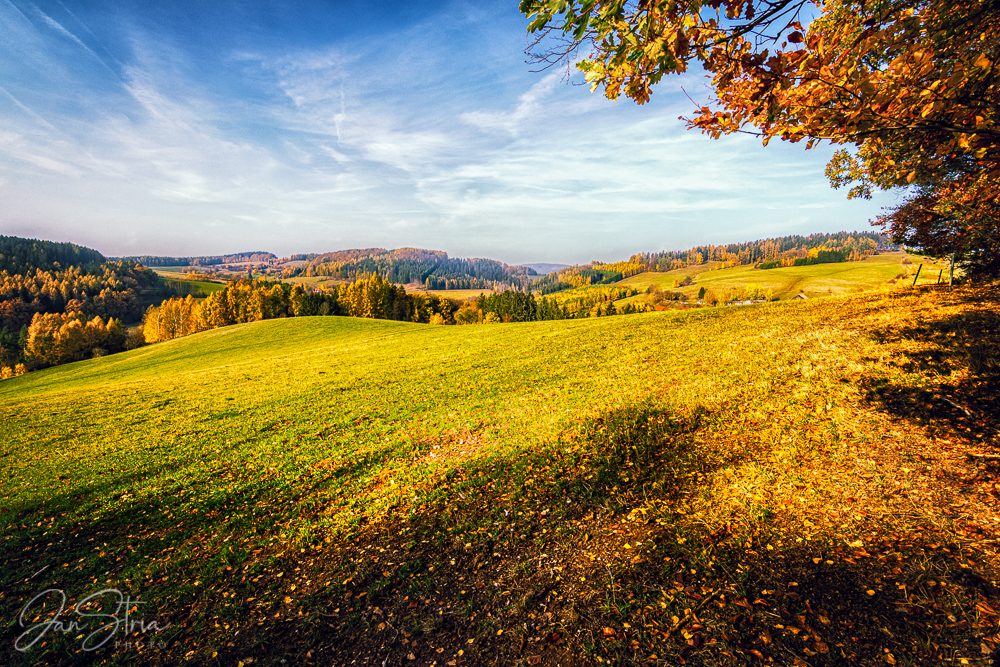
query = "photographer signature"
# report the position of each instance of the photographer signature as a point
(102, 626)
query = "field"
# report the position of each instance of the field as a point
(785, 283)
(797, 482)
(172, 272)
(314, 281)
(182, 282)
(457, 294)
(198, 288)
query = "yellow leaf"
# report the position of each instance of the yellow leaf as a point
(909, 177)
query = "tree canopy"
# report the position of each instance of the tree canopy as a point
(18, 255)
(912, 84)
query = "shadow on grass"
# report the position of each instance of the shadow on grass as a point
(570, 555)
(154, 553)
(960, 354)
(576, 571)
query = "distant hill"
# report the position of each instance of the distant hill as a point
(764, 253)
(542, 268)
(257, 257)
(880, 271)
(432, 268)
(853, 245)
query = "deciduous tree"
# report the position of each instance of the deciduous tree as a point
(912, 84)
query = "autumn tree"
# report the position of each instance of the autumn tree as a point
(58, 338)
(371, 297)
(912, 85)
(467, 314)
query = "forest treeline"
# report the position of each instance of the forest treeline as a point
(111, 290)
(811, 256)
(259, 299)
(595, 301)
(851, 246)
(374, 297)
(61, 302)
(432, 268)
(257, 257)
(18, 255)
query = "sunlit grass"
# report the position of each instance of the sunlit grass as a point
(243, 451)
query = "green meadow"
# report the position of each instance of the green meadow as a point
(198, 288)
(626, 490)
(180, 283)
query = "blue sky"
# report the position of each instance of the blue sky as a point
(188, 128)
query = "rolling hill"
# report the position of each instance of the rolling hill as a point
(714, 485)
(876, 272)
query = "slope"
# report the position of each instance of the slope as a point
(784, 283)
(633, 489)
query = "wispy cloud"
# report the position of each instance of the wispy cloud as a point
(528, 104)
(431, 133)
(35, 116)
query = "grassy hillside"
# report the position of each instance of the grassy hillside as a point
(182, 286)
(813, 281)
(791, 481)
